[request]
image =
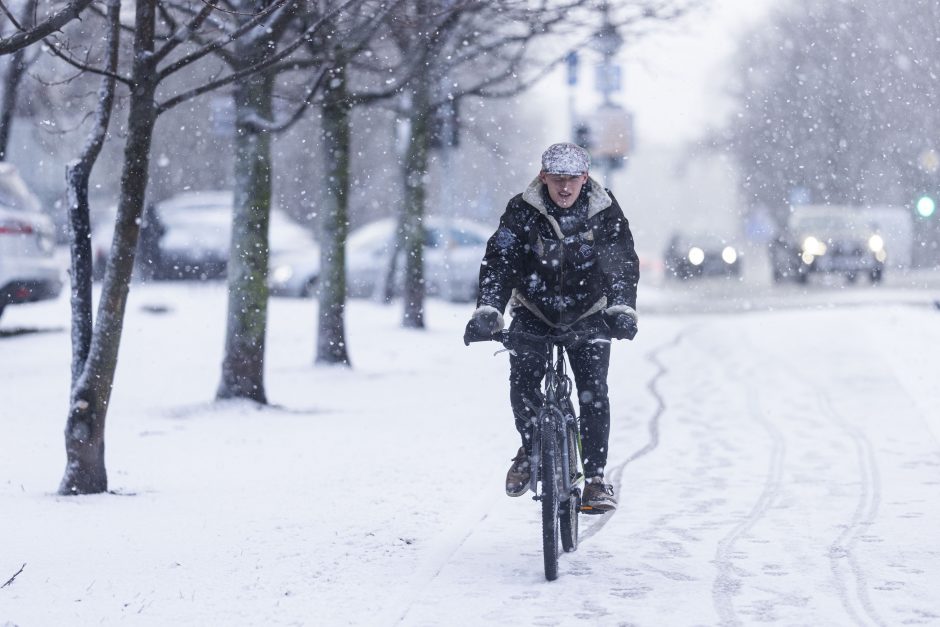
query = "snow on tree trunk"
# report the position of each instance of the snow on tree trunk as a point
(84, 432)
(331, 334)
(415, 172)
(243, 362)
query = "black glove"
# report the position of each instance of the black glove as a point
(622, 324)
(483, 324)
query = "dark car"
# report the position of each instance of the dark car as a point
(828, 240)
(690, 256)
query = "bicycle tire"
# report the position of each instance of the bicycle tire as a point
(550, 531)
(571, 507)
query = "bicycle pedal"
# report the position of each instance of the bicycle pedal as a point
(594, 511)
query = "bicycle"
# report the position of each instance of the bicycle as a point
(555, 461)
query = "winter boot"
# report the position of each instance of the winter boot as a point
(517, 479)
(598, 497)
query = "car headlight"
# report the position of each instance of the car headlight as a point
(729, 254)
(696, 256)
(814, 247)
(282, 274)
(876, 243)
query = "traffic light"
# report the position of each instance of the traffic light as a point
(925, 206)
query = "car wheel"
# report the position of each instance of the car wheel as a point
(850, 277)
(875, 276)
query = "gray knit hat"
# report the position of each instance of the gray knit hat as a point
(565, 158)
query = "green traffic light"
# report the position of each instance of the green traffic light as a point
(926, 206)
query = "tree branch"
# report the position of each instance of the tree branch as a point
(222, 41)
(54, 49)
(184, 33)
(15, 575)
(258, 67)
(45, 28)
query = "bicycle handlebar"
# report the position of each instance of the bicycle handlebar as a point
(521, 340)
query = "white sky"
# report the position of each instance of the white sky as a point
(673, 81)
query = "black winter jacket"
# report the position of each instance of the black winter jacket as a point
(561, 264)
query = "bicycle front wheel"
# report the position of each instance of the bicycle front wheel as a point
(549, 464)
(571, 503)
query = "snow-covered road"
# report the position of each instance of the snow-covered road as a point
(778, 466)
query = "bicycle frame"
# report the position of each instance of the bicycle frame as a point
(555, 397)
(552, 415)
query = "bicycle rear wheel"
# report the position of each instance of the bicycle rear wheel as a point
(571, 506)
(549, 503)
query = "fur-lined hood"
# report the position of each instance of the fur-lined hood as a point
(598, 200)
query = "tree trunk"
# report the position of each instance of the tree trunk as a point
(77, 176)
(415, 172)
(11, 83)
(331, 335)
(84, 433)
(243, 362)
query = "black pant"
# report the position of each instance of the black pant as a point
(589, 364)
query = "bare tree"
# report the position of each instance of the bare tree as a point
(338, 101)
(152, 64)
(350, 22)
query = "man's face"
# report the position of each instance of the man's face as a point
(563, 189)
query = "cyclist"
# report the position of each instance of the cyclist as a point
(562, 257)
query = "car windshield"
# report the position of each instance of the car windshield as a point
(825, 225)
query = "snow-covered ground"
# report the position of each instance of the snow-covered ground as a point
(777, 461)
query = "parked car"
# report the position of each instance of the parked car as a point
(188, 236)
(828, 240)
(453, 250)
(690, 256)
(28, 269)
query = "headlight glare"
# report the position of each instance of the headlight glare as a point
(696, 256)
(282, 274)
(729, 254)
(813, 246)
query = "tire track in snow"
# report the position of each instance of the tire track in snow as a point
(850, 578)
(848, 573)
(616, 473)
(726, 585)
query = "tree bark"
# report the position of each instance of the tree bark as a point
(415, 173)
(331, 335)
(85, 471)
(243, 362)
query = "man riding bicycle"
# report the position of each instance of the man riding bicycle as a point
(562, 258)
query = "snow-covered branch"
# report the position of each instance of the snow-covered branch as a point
(43, 29)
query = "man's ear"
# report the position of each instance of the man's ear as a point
(542, 175)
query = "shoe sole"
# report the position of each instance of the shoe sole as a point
(516, 494)
(597, 509)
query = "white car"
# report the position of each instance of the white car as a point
(189, 235)
(453, 250)
(28, 269)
